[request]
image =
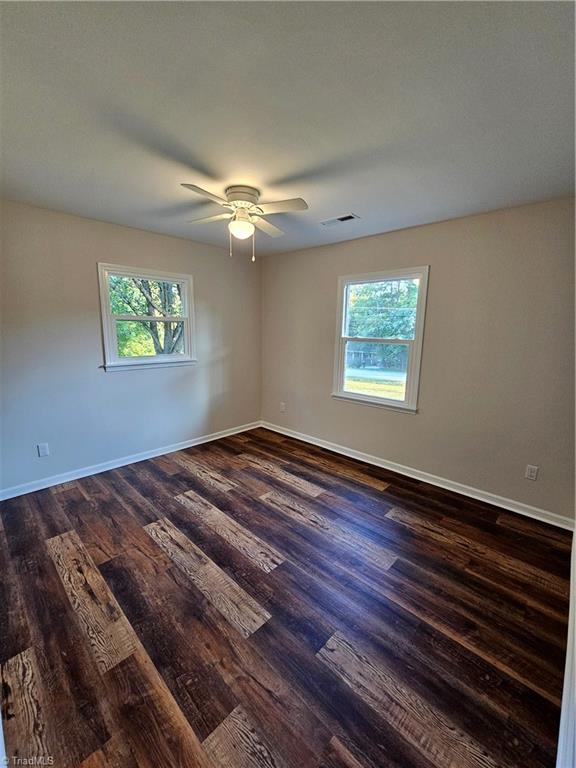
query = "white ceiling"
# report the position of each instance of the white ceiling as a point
(403, 113)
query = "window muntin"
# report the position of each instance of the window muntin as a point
(147, 317)
(379, 341)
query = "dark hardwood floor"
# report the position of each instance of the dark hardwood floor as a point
(257, 602)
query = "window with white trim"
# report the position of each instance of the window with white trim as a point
(379, 337)
(147, 317)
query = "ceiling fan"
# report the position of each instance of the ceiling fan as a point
(245, 213)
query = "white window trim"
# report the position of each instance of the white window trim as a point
(112, 362)
(414, 345)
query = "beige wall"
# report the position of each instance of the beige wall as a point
(496, 387)
(53, 389)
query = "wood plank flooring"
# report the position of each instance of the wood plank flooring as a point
(257, 602)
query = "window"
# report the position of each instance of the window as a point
(379, 337)
(147, 317)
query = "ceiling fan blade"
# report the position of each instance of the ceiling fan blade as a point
(217, 217)
(203, 192)
(284, 206)
(265, 226)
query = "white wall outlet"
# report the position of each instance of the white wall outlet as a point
(43, 449)
(282, 407)
(531, 472)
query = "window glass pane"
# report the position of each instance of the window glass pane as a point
(385, 309)
(138, 296)
(376, 369)
(139, 339)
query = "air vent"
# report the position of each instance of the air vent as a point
(339, 220)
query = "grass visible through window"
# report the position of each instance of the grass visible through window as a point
(393, 390)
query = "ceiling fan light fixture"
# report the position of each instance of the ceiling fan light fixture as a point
(245, 213)
(241, 230)
(241, 227)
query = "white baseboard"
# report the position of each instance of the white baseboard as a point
(566, 755)
(76, 474)
(466, 490)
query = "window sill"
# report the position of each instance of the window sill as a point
(390, 405)
(114, 367)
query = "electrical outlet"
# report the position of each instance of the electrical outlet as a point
(531, 472)
(43, 449)
(282, 407)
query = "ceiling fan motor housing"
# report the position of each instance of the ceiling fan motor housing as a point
(241, 196)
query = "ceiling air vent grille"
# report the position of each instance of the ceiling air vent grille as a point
(339, 220)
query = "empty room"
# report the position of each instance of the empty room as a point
(287, 384)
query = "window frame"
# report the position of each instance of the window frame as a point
(410, 403)
(113, 361)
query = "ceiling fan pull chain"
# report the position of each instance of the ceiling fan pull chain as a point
(230, 243)
(253, 238)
